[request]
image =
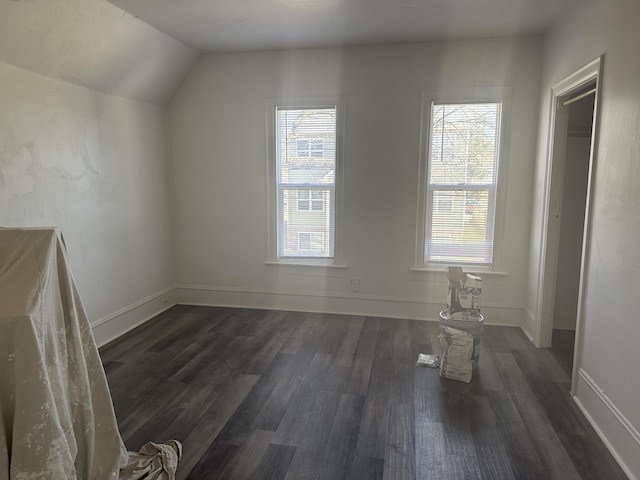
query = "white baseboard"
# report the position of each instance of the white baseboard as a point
(618, 434)
(118, 323)
(356, 304)
(529, 324)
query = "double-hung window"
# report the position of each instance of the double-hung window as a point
(460, 186)
(303, 168)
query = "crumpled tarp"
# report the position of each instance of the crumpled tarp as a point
(157, 461)
(56, 415)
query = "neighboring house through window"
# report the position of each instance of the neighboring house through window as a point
(311, 242)
(303, 168)
(310, 200)
(310, 147)
(460, 182)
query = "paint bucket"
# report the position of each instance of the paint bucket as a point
(474, 327)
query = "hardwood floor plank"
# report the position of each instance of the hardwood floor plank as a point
(193, 405)
(307, 421)
(400, 448)
(257, 394)
(372, 438)
(262, 358)
(551, 452)
(404, 355)
(212, 423)
(141, 337)
(358, 381)
(461, 467)
(341, 444)
(213, 461)
(276, 404)
(198, 322)
(312, 332)
(275, 463)
(455, 405)
(334, 335)
(518, 443)
(137, 428)
(308, 325)
(282, 365)
(491, 451)
(429, 449)
(366, 468)
(493, 338)
(245, 462)
(427, 385)
(540, 366)
(345, 355)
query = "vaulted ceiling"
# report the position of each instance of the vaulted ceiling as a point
(115, 49)
(95, 44)
(232, 25)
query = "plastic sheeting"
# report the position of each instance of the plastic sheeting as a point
(56, 415)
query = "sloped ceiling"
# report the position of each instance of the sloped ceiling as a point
(233, 25)
(94, 44)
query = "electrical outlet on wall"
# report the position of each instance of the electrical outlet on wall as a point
(355, 284)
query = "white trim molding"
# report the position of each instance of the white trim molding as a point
(327, 302)
(614, 429)
(118, 323)
(552, 203)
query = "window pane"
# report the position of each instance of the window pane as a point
(305, 163)
(464, 143)
(461, 184)
(305, 226)
(464, 234)
(306, 145)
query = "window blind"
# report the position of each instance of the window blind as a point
(461, 185)
(305, 176)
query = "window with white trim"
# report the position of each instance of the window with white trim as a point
(304, 162)
(460, 183)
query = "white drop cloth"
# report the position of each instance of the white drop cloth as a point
(56, 415)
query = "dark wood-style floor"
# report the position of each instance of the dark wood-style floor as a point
(258, 394)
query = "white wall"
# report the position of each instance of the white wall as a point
(92, 164)
(95, 166)
(608, 377)
(218, 151)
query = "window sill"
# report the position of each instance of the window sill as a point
(304, 263)
(470, 269)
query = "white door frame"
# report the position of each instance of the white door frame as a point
(554, 182)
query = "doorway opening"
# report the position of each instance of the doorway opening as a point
(572, 214)
(568, 195)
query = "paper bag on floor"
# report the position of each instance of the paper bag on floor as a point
(457, 349)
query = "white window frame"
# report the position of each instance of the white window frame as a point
(273, 219)
(425, 194)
